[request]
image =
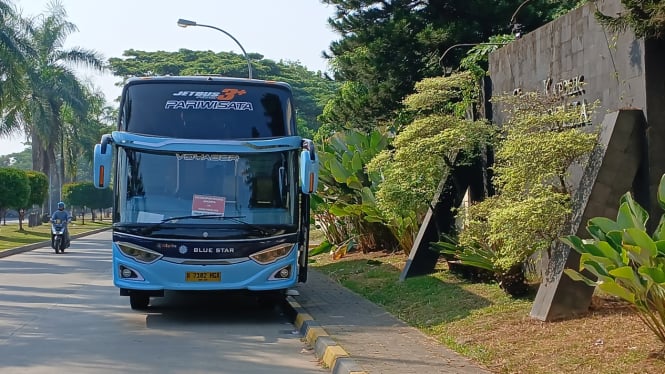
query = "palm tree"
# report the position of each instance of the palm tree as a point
(52, 86)
(81, 134)
(15, 50)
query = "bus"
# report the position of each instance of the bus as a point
(211, 187)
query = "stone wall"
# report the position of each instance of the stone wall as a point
(578, 61)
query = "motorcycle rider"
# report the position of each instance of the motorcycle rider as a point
(64, 217)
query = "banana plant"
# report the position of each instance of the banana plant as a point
(347, 190)
(625, 261)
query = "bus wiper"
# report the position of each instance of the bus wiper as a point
(151, 228)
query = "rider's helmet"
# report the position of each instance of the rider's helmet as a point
(61, 206)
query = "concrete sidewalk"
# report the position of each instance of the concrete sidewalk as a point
(341, 323)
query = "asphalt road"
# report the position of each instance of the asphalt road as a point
(60, 313)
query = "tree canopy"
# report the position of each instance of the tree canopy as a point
(388, 46)
(311, 90)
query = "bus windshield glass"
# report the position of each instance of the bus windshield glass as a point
(207, 110)
(248, 189)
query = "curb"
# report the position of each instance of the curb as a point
(331, 354)
(30, 247)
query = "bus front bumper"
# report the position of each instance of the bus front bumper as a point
(164, 275)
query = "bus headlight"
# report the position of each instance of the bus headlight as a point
(138, 253)
(272, 254)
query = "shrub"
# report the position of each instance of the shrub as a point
(626, 261)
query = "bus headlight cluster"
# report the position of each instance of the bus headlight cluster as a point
(138, 253)
(272, 254)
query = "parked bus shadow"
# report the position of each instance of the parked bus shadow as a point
(206, 307)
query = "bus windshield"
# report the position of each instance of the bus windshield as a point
(207, 110)
(249, 189)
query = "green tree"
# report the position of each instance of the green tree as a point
(15, 51)
(541, 141)
(38, 192)
(80, 134)
(50, 84)
(38, 187)
(645, 18)
(311, 90)
(85, 195)
(388, 46)
(435, 143)
(14, 190)
(21, 160)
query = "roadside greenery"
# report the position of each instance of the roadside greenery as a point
(20, 190)
(385, 48)
(437, 141)
(645, 18)
(345, 206)
(41, 95)
(540, 141)
(85, 196)
(12, 237)
(311, 90)
(626, 261)
(482, 322)
(14, 189)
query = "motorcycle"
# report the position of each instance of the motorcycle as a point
(58, 240)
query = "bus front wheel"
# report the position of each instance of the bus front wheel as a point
(139, 301)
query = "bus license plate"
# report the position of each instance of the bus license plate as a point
(194, 276)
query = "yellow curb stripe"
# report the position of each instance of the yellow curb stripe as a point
(301, 318)
(332, 353)
(294, 304)
(314, 333)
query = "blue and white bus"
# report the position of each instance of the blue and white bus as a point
(211, 187)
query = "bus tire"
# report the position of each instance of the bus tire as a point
(139, 301)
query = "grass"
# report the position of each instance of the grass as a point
(12, 237)
(481, 322)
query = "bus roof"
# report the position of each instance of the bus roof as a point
(203, 78)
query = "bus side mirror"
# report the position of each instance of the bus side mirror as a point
(102, 163)
(309, 169)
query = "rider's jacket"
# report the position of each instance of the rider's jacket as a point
(61, 215)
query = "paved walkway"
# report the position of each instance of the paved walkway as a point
(378, 342)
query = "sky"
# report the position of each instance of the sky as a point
(290, 30)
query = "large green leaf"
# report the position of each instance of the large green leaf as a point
(377, 141)
(661, 192)
(660, 244)
(643, 240)
(659, 234)
(614, 289)
(576, 276)
(353, 182)
(631, 214)
(346, 162)
(609, 252)
(367, 196)
(357, 162)
(338, 171)
(339, 209)
(324, 247)
(615, 239)
(655, 274)
(574, 242)
(624, 272)
(597, 265)
(605, 224)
